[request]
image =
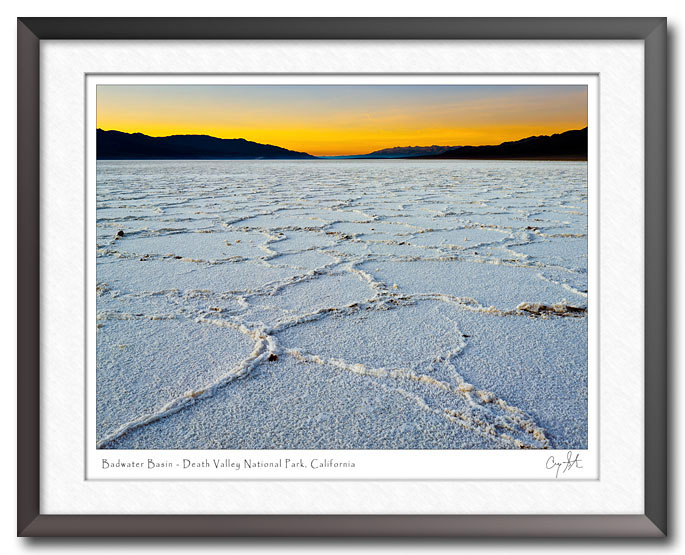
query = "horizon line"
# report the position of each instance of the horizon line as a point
(360, 154)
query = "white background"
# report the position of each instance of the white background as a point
(319, 8)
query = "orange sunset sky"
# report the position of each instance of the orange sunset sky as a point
(345, 119)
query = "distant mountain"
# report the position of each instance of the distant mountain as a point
(404, 151)
(115, 145)
(398, 152)
(571, 145)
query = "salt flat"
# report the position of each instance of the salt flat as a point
(333, 304)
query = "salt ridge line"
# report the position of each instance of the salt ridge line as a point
(372, 218)
(384, 300)
(251, 294)
(368, 218)
(275, 287)
(340, 255)
(516, 261)
(266, 346)
(262, 350)
(482, 420)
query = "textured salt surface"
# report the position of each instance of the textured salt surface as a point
(342, 304)
(145, 364)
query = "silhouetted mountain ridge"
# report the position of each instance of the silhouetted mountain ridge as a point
(395, 152)
(570, 145)
(401, 151)
(117, 145)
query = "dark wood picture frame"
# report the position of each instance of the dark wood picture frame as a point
(653, 521)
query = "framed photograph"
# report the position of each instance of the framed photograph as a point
(324, 277)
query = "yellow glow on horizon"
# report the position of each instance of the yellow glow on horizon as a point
(344, 125)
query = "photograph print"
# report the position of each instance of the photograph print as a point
(396, 267)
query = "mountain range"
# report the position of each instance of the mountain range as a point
(116, 145)
(570, 145)
(400, 152)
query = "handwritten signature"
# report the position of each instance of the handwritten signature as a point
(564, 466)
